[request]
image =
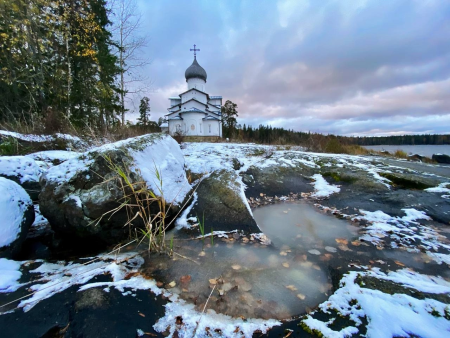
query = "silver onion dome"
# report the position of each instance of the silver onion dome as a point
(195, 71)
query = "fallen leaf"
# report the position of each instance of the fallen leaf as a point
(356, 243)
(399, 263)
(185, 279)
(236, 267)
(151, 334)
(213, 281)
(341, 241)
(286, 265)
(201, 254)
(172, 284)
(344, 247)
(314, 252)
(261, 194)
(141, 314)
(326, 257)
(291, 287)
(283, 253)
(301, 296)
(285, 211)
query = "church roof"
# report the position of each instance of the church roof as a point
(209, 117)
(195, 71)
(187, 91)
(193, 110)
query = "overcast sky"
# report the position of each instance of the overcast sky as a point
(343, 67)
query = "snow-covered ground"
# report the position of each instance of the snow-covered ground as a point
(388, 315)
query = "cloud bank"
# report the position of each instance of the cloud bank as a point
(343, 67)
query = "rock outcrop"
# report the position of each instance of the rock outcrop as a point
(29, 143)
(78, 196)
(441, 158)
(17, 215)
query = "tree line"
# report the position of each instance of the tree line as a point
(315, 141)
(60, 61)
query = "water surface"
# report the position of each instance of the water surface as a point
(252, 280)
(424, 150)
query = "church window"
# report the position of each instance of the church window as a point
(209, 128)
(192, 127)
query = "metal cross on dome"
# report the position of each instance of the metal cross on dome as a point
(195, 50)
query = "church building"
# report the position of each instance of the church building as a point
(195, 112)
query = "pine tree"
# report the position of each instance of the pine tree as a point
(144, 112)
(229, 114)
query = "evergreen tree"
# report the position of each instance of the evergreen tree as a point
(144, 112)
(229, 114)
(55, 56)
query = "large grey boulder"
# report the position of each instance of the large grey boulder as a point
(441, 158)
(17, 215)
(78, 195)
(222, 201)
(24, 171)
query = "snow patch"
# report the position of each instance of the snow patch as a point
(22, 167)
(14, 201)
(9, 275)
(397, 315)
(196, 324)
(182, 220)
(164, 157)
(322, 187)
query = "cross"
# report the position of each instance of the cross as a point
(195, 50)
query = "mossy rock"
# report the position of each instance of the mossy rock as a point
(221, 202)
(408, 181)
(82, 197)
(277, 180)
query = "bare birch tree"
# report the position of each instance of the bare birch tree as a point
(130, 49)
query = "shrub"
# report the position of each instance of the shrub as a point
(400, 153)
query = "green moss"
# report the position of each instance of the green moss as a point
(338, 177)
(9, 146)
(406, 182)
(313, 332)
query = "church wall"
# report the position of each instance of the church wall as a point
(196, 83)
(216, 102)
(194, 125)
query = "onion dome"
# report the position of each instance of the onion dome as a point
(195, 71)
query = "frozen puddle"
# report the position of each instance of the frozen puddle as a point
(302, 226)
(245, 279)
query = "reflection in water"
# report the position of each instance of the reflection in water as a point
(252, 280)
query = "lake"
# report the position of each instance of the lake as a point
(424, 150)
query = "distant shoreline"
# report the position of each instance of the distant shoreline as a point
(423, 149)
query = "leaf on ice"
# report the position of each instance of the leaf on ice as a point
(291, 287)
(341, 241)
